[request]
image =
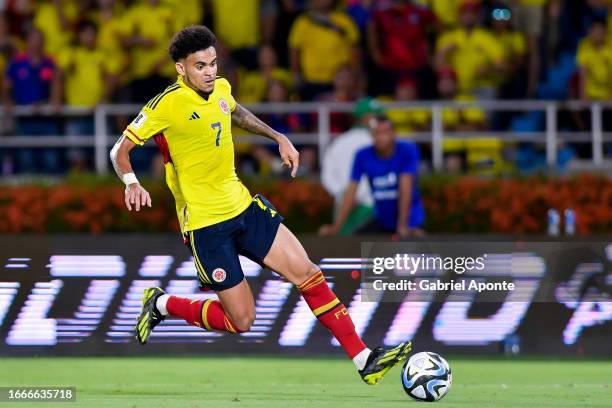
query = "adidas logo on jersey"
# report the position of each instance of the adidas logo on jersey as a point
(194, 116)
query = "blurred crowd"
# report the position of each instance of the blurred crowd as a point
(83, 53)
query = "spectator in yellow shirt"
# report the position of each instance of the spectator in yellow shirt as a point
(55, 19)
(412, 120)
(151, 31)
(594, 59)
(185, 12)
(237, 24)
(86, 69)
(446, 11)
(321, 40)
(252, 85)
(112, 29)
(472, 52)
(457, 119)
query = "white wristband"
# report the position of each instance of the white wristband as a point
(129, 178)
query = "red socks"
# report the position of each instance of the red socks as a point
(210, 315)
(331, 313)
(207, 314)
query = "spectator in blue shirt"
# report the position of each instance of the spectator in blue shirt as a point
(33, 79)
(391, 168)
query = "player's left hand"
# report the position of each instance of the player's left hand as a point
(289, 155)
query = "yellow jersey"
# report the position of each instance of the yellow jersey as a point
(324, 46)
(407, 120)
(110, 34)
(446, 11)
(237, 22)
(153, 23)
(47, 20)
(472, 51)
(453, 117)
(85, 70)
(195, 136)
(253, 85)
(597, 62)
(185, 12)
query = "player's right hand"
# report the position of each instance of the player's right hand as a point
(136, 196)
(289, 155)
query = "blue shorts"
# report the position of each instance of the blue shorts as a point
(215, 248)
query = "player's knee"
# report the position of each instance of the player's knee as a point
(310, 270)
(244, 322)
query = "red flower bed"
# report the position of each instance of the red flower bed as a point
(464, 205)
(99, 207)
(517, 206)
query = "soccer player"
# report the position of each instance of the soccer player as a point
(191, 123)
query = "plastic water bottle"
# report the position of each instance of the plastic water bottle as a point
(570, 221)
(512, 344)
(554, 221)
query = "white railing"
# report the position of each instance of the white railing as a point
(102, 140)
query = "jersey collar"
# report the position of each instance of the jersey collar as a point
(182, 84)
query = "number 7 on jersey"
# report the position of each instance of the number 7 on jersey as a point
(217, 125)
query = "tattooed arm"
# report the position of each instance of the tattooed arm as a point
(249, 122)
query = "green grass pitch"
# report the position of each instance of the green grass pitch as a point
(302, 382)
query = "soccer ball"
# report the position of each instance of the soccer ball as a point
(426, 377)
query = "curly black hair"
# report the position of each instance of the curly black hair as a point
(189, 40)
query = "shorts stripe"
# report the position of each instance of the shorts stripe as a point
(260, 203)
(196, 260)
(264, 207)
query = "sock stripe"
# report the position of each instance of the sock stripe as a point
(332, 314)
(326, 308)
(306, 286)
(205, 314)
(229, 326)
(307, 283)
(313, 284)
(339, 306)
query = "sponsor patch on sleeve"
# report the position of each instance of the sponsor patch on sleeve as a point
(139, 121)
